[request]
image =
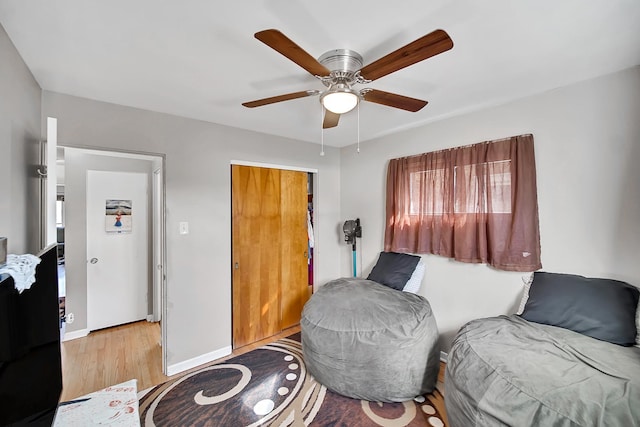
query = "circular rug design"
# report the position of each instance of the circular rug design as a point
(270, 386)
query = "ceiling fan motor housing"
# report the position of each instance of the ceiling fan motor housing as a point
(344, 60)
(344, 65)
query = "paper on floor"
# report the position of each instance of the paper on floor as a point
(115, 406)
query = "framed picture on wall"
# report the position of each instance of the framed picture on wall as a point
(118, 216)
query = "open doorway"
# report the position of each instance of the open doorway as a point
(75, 166)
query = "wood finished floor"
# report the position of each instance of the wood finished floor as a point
(114, 355)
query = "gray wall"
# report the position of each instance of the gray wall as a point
(19, 134)
(77, 163)
(198, 190)
(587, 143)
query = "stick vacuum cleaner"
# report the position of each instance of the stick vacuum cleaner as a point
(352, 229)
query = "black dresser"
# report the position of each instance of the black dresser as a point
(30, 365)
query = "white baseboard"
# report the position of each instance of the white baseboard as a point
(68, 336)
(197, 361)
(443, 356)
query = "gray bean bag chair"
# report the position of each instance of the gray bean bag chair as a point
(506, 371)
(367, 341)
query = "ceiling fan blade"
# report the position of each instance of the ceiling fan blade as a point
(330, 119)
(282, 44)
(425, 47)
(280, 98)
(393, 100)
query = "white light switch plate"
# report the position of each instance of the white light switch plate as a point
(184, 228)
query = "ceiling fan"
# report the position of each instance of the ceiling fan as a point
(341, 69)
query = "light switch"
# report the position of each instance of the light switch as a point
(184, 228)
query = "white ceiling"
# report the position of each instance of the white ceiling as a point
(199, 59)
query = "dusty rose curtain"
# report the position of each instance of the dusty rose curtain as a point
(475, 204)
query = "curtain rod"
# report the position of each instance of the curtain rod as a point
(465, 146)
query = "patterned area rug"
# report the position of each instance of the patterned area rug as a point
(270, 386)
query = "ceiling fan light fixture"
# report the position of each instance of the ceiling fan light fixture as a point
(340, 99)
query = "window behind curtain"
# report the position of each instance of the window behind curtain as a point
(475, 204)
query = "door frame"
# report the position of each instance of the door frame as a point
(316, 251)
(158, 231)
(158, 255)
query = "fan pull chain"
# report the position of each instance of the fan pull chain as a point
(358, 127)
(321, 130)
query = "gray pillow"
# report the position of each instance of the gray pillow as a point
(394, 269)
(604, 309)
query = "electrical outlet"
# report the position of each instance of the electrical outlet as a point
(69, 318)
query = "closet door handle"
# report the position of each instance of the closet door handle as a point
(306, 255)
(236, 266)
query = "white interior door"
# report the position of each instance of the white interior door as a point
(52, 181)
(117, 248)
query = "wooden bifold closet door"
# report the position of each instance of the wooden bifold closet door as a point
(269, 251)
